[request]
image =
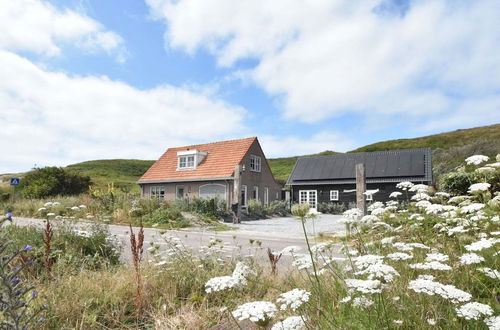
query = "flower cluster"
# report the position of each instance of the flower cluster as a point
(293, 299)
(259, 312)
(237, 279)
(290, 323)
(427, 285)
(476, 159)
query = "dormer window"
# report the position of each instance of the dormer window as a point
(186, 162)
(189, 159)
(255, 163)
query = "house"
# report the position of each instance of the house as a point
(211, 170)
(332, 179)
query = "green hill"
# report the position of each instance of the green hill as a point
(124, 173)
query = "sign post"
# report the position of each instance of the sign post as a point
(361, 188)
(14, 182)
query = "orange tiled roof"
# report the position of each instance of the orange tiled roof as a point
(219, 163)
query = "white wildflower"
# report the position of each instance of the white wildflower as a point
(257, 311)
(476, 159)
(482, 186)
(493, 322)
(436, 257)
(420, 188)
(402, 246)
(492, 273)
(442, 194)
(369, 218)
(346, 299)
(405, 185)
(362, 302)
(364, 286)
(388, 240)
(420, 196)
(417, 216)
(379, 271)
(471, 258)
(458, 229)
(290, 323)
(375, 205)
(378, 211)
(482, 244)
(42, 209)
(485, 169)
(290, 250)
(364, 261)
(433, 265)
(428, 286)
(474, 311)
(395, 194)
(431, 321)
(51, 214)
(47, 204)
(434, 209)
(471, 208)
(75, 208)
(423, 204)
(221, 283)
(399, 256)
(398, 322)
(302, 262)
(293, 299)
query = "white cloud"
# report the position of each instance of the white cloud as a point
(326, 58)
(39, 27)
(52, 118)
(285, 146)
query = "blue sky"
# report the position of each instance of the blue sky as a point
(100, 79)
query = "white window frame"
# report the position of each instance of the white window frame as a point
(244, 200)
(213, 184)
(157, 192)
(255, 192)
(307, 199)
(255, 163)
(334, 195)
(186, 162)
(369, 197)
(266, 196)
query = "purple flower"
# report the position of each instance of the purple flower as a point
(31, 261)
(28, 248)
(34, 294)
(15, 280)
(8, 215)
(41, 319)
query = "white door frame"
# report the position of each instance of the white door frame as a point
(311, 198)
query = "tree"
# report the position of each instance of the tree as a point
(52, 181)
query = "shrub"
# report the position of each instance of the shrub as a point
(52, 181)
(167, 215)
(212, 208)
(255, 209)
(277, 208)
(332, 208)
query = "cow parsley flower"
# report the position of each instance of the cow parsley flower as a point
(362, 302)
(259, 312)
(423, 204)
(428, 286)
(442, 194)
(476, 159)
(303, 262)
(420, 196)
(220, 284)
(436, 257)
(364, 261)
(474, 311)
(399, 322)
(478, 187)
(47, 204)
(351, 215)
(471, 208)
(395, 194)
(399, 256)
(492, 273)
(293, 299)
(405, 185)
(388, 240)
(482, 244)
(290, 250)
(485, 169)
(493, 322)
(75, 208)
(420, 188)
(369, 218)
(290, 323)
(379, 271)
(364, 286)
(433, 265)
(471, 258)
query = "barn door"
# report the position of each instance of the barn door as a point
(309, 197)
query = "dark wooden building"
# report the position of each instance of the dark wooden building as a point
(332, 179)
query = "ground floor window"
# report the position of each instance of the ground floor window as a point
(209, 191)
(157, 192)
(255, 193)
(308, 197)
(266, 196)
(334, 195)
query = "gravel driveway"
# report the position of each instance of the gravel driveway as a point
(291, 226)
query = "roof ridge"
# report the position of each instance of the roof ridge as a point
(366, 152)
(216, 142)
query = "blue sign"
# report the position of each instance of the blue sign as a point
(14, 181)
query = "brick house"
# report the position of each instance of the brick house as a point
(210, 170)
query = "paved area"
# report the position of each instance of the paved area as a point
(249, 238)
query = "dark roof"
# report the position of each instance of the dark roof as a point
(381, 166)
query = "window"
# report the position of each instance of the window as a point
(186, 162)
(179, 192)
(369, 197)
(254, 163)
(157, 192)
(266, 196)
(243, 195)
(209, 191)
(334, 195)
(255, 193)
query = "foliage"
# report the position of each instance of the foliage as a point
(52, 181)
(332, 208)
(278, 208)
(209, 207)
(124, 173)
(166, 215)
(458, 183)
(256, 210)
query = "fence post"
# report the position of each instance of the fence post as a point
(361, 188)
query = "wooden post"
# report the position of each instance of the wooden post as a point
(361, 188)
(237, 192)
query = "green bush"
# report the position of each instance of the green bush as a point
(277, 208)
(332, 208)
(212, 208)
(255, 209)
(52, 181)
(166, 215)
(458, 183)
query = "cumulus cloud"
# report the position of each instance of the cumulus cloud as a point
(284, 146)
(52, 118)
(39, 27)
(426, 59)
